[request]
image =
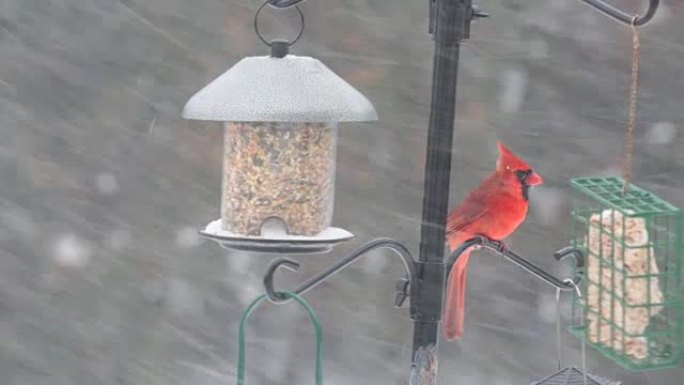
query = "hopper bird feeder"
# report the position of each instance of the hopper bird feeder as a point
(281, 114)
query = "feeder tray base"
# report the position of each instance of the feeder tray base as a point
(280, 243)
(574, 376)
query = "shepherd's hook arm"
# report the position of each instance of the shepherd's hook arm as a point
(283, 3)
(622, 16)
(535, 270)
(399, 248)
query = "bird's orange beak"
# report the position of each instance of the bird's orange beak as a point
(534, 179)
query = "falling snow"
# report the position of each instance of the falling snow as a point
(238, 262)
(104, 278)
(514, 87)
(187, 237)
(182, 299)
(661, 133)
(71, 251)
(548, 205)
(377, 261)
(249, 292)
(107, 184)
(546, 305)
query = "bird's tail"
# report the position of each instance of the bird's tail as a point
(454, 307)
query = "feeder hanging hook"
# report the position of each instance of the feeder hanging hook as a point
(284, 3)
(624, 17)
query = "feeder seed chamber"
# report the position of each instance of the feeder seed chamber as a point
(281, 114)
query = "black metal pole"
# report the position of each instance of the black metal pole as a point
(451, 24)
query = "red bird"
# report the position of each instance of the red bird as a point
(494, 209)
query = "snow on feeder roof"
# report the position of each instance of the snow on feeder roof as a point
(280, 147)
(271, 89)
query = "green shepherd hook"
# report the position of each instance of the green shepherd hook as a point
(314, 320)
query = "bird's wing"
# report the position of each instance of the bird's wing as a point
(473, 208)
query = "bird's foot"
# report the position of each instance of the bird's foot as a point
(483, 239)
(498, 245)
(501, 246)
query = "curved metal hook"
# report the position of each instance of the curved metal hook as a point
(570, 251)
(626, 18)
(276, 297)
(522, 262)
(268, 278)
(284, 3)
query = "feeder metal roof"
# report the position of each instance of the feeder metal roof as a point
(289, 89)
(573, 376)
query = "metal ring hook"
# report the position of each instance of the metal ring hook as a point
(269, 2)
(274, 296)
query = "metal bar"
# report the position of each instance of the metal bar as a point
(283, 3)
(522, 262)
(399, 248)
(432, 12)
(450, 20)
(622, 16)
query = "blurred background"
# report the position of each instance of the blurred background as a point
(103, 187)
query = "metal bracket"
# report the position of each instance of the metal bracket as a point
(402, 288)
(399, 248)
(472, 12)
(624, 17)
(419, 273)
(284, 3)
(533, 269)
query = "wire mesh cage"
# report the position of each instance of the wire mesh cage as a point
(632, 313)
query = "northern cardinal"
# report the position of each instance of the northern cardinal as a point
(494, 209)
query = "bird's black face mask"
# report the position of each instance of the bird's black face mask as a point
(522, 176)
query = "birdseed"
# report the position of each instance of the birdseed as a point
(278, 170)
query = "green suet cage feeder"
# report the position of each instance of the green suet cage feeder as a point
(633, 277)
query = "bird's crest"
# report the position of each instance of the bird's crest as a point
(508, 160)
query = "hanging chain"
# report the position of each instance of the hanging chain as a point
(629, 151)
